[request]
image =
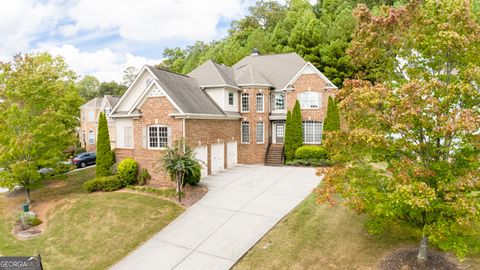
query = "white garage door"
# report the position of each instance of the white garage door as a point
(231, 154)
(218, 157)
(202, 155)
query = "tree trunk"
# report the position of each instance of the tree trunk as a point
(27, 196)
(423, 249)
(179, 186)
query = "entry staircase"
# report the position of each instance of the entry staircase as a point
(274, 155)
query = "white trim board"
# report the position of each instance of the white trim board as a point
(329, 84)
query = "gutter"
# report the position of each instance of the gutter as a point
(204, 116)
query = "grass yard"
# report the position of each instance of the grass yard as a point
(85, 231)
(320, 237)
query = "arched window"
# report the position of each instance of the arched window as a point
(309, 100)
(245, 136)
(260, 102)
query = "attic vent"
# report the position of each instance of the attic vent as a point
(156, 92)
(309, 70)
(255, 52)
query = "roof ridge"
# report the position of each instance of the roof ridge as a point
(216, 69)
(169, 71)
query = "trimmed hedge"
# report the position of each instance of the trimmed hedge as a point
(310, 162)
(127, 171)
(193, 179)
(311, 152)
(105, 183)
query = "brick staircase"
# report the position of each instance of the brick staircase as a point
(274, 155)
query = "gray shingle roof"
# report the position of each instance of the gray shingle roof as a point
(278, 69)
(211, 73)
(186, 93)
(247, 75)
(94, 102)
(112, 100)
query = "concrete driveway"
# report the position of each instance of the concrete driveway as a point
(242, 205)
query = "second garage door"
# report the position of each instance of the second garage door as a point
(218, 157)
(202, 155)
(231, 154)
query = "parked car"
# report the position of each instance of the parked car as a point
(84, 159)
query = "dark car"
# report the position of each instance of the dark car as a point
(84, 159)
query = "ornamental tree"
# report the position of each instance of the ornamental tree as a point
(332, 120)
(412, 147)
(38, 115)
(105, 157)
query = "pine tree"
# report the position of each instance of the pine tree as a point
(105, 158)
(332, 120)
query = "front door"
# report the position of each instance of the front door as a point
(279, 132)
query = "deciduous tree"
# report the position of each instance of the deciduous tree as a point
(38, 115)
(411, 150)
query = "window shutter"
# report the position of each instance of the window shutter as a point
(169, 138)
(144, 137)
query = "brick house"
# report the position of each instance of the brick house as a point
(229, 115)
(89, 114)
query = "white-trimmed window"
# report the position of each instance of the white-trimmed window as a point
(312, 132)
(245, 102)
(309, 100)
(91, 115)
(259, 132)
(231, 99)
(107, 111)
(91, 137)
(84, 136)
(279, 102)
(245, 136)
(127, 137)
(83, 115)
(158, 137)
(260, 102)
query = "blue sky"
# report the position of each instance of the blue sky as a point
(103, 37)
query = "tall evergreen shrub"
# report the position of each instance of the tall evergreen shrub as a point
(332, 121)
(105, 158)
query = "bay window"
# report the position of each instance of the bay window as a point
(245, 102)
(259, 133)
(260, 102)
(245, 136)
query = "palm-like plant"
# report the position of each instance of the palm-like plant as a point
(178, 161)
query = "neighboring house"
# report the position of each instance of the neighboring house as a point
(89, 114)
(229, 115)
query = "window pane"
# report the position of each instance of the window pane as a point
(259, 102)
(279, 102)
(245, 136)
(245, 102)
(230, 98)
(259, 132)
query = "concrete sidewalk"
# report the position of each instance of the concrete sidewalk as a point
(242, 205)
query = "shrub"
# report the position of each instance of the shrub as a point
(309, 162)
(127, 171)
(143, 177)
(105, 183)
(80, 150)
(105, 157)
(311, 152)
(293, 131)
(193, 178)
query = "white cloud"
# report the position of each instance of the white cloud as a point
(153, 20)
(21, 21)
(104, 64)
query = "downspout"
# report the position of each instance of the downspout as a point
(183, 135)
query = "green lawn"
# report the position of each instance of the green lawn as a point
(320, 237)
(87, 231)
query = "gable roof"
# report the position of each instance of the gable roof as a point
(213, 74)
(247, 75)
(279, 69)
(112, 100)
(185, 92)
(92, 103)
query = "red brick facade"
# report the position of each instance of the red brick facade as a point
(205, 132)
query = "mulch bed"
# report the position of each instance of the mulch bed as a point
(406, 259)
